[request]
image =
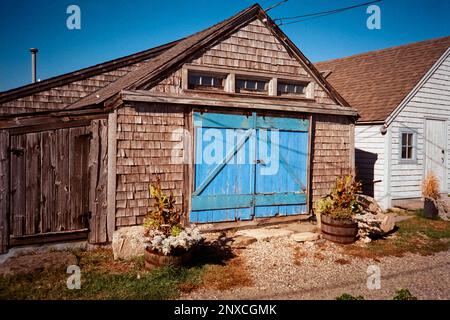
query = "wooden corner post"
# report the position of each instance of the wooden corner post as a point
(4, 190)
(112, 152)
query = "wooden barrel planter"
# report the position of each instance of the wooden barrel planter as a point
(338, 230)
(429, 208)
(155, 259)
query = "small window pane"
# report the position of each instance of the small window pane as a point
(407, 145)
(243, 85)
(205, 81)
(291, 88)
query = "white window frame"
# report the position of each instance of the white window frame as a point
(413, 145)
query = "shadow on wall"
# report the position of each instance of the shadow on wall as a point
(365, 170)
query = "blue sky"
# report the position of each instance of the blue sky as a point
(114, 28)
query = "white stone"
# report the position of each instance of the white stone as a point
(128, 242)
(265, 234)
(305, 236)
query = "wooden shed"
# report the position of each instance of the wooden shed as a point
(79, 151)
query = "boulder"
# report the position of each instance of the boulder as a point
(128, 242)
(305, 236)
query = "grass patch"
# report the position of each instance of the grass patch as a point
(104, 278)
(416, 235)
(101, 278)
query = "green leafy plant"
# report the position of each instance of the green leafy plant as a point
(164, 232)
(163, 216)
(175, 231)
(342, 201)
(404, 294)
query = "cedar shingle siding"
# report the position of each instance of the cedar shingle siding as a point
(332, 152)
(60, 97)
(147, 147)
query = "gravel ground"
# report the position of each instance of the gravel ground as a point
(320, 271)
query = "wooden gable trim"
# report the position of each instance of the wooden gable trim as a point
(233, 101)
(49, 121)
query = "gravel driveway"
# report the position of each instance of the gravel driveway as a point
(283, 269)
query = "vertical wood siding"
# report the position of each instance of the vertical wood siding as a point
(433, 101)
(370, 159)
(98, 172)
(49, 181)
(55, 180)
(4, 190)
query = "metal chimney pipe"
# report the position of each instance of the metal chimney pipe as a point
(33, 64)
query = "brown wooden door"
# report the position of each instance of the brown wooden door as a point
(49, 181)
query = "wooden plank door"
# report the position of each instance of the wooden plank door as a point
(281, 167)
(223, 174)
(248, 166)
(435, 150)
(49, 183)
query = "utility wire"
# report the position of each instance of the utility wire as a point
(275, 5)
(315, 15)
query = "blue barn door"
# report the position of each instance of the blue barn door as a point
(248, 166)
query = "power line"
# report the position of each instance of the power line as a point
(315, 15)
(275, 5)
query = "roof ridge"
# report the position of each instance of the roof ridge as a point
(361, 54)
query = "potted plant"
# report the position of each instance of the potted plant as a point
(430, 193)
(337, 209)
(168, 241)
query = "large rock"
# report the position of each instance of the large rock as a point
(305, 236)
(128, 242)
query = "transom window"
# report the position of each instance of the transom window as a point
(290, 88)
(203, 81)
(250, 85)
(407, 146)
